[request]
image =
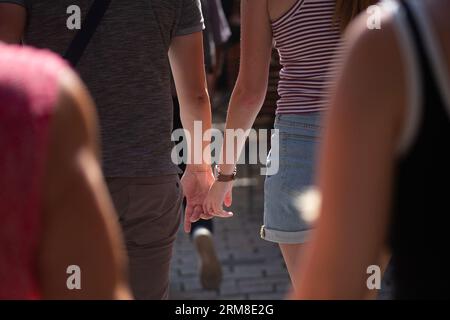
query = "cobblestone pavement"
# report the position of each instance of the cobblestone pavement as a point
(252, 268)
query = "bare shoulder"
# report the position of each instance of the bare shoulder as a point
(75, 120)
(373, 39)
(72, 139)
(79, 221)
(373, 67)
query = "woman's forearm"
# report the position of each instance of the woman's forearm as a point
(243, 110)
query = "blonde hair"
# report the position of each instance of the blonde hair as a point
(346, 10)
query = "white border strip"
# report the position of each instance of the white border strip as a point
(413, 79)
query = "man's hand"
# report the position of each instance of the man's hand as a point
(196, 185)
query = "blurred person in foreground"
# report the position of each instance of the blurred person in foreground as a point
(386, 159)
(55, 211)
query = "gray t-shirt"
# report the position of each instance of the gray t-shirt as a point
(127, 71)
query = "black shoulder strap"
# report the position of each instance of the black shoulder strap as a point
(83, 36)
(433, 97)
(422, 52)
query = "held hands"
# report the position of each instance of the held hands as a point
(196, 185)
(219, 194)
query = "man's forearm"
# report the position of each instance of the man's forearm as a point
(196, 119)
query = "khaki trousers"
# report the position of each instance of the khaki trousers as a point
(149, 212)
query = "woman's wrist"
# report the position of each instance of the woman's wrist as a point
(223, 176)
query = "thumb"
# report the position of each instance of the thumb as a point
(229, 198)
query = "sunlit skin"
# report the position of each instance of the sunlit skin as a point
(79, 223)
(188, 68)
(363, 127)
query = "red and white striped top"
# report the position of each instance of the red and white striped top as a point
(307, 38)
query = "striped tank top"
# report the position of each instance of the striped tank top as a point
(307, 38)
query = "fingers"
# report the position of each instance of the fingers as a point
(198, 211)
(206, 217)
(207, 209)
(219, 212)
(193, 215)
(216, 210)
(187, 219)
(229, 198)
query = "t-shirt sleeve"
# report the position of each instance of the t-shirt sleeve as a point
(191, 18)
(23, 3)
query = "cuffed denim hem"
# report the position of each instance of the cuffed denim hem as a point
(285, 237)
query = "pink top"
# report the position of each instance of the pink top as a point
(28, 94)
(307, 38)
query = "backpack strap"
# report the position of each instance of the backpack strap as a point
(84, 35)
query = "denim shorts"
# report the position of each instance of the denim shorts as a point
(298, 138)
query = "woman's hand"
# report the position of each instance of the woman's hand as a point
(219, 194)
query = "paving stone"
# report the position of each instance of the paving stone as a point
(234, 297)
(229, 288)
(257, 288)
(266, 296)
(283, 287)
(191, 284)
(203, 295)
(265, 280)
(275, 270)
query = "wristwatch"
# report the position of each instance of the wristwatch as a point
(224, 177)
